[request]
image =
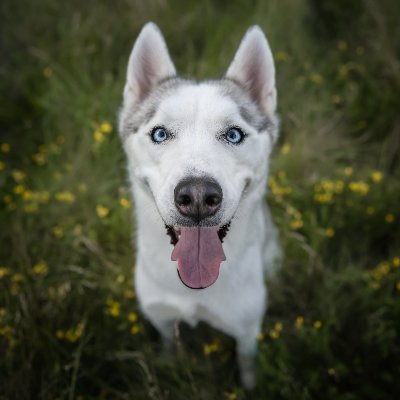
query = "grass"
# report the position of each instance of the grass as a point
(70, 326)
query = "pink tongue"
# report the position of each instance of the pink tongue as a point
(199, 254)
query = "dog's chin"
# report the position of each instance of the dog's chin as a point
(198, 252)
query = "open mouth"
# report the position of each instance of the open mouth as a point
(199, 253)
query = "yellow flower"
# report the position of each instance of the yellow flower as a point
(40, 268)
(331, 371)
(286, 148)
(77, 230)
(296, 223)
(344, 70)
(5, 147)
(73, 335)
(398, 285)
(115, 308)
(106, 127)
(124, 202)
(102, 211)
(132, 317)
(16, 278)
(348, 171)
(60, 334)
(230, 396)
(31, 208)
(129, 294)
(135, 329)
(2, 166)
(278, 326)
(120, 279)
(212, 347)
(359, 187)
(381, 270)
(4, 271)
(330, 232)
(342, 45)
(58, 231)
(98, 136)
(323, 198)
(47, 72)
(65, 197)
(396, 262)
(316, 78)
(27, 195)
(299, 322)
(82, 187)
(260, 337)
(317, 324)
(274, 334)
(376, 176)
(339, 186)
(389, 218)
(39, 158)
(18, 175)
(282, 56)
(19, 189)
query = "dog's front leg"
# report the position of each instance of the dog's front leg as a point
(246, 351)
(164, 319)
(167, 332)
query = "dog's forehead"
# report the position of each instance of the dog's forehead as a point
(204, 101)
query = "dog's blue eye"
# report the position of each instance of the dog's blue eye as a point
(234, 135)
(159, 135)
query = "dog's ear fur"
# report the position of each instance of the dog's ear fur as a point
(253, 68)
(149, 63)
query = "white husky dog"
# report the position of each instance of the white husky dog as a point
(198, 163)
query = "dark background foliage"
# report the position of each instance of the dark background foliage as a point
(69, 322)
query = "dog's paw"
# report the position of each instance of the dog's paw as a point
(247, 371)
(248, 378)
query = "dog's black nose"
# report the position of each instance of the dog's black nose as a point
(198, 198)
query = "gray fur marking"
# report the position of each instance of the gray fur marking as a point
(248, 110)
(134, 116)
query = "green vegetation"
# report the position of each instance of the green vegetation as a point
(69, 322)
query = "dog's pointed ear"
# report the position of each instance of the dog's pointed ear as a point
(253, 68)
(149, 64)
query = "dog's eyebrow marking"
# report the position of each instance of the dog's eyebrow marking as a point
(138, 115)
(247, 109)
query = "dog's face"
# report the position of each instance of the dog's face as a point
(198, 148)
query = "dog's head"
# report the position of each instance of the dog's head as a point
(198, 148)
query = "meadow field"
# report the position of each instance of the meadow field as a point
(70, 326)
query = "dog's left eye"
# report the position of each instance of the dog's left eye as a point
(234, 135)
(159, 135)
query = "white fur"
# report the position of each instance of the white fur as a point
(197, 113)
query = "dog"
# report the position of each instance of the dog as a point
(198, 156)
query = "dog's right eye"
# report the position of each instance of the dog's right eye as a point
(159, 135)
